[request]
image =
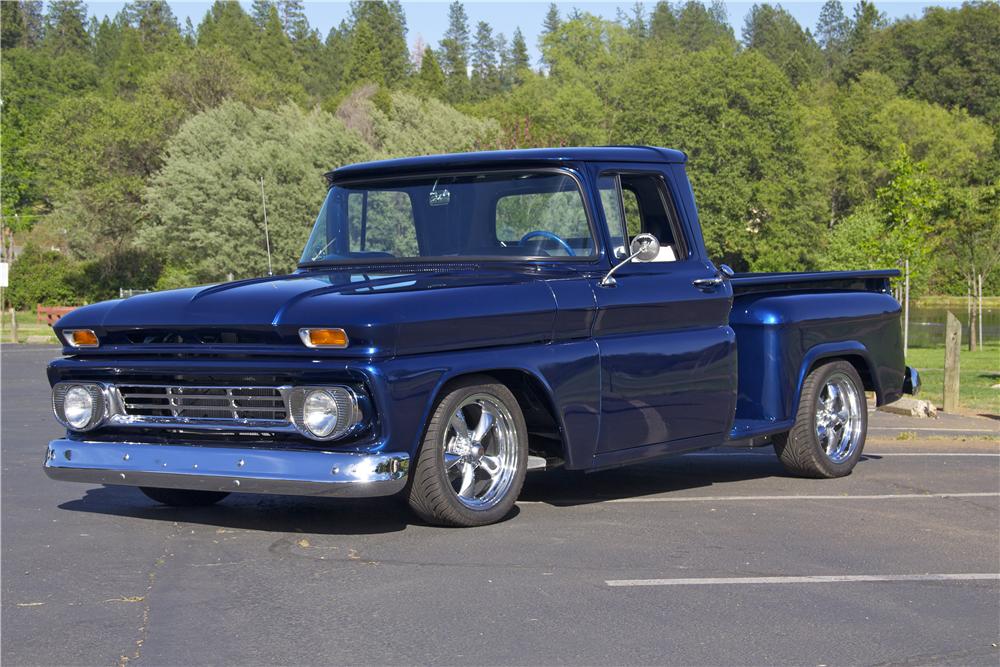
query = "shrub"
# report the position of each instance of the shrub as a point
(44, 277)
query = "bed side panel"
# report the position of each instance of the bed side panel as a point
(779, 336)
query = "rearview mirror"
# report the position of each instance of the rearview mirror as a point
(644, 248)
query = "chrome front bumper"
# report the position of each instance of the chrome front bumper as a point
(245, 470)
(911, 381)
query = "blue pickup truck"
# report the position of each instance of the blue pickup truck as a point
(458, 320)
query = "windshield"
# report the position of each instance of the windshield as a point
(529, 214)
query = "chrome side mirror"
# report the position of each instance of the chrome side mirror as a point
(644, 248)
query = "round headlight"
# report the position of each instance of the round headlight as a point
(319, 413)
(78, 407)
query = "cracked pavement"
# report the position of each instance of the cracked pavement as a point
(103, 576)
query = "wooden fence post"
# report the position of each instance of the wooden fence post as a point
(952, 348)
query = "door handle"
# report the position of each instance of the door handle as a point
(707, 283)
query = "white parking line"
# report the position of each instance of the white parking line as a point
(992, 454)
(873, 496)
(942, 429)
(765, 452)
(725, 499)
(808, 579)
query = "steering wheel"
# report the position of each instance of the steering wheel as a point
(542, 234)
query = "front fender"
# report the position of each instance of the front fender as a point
(408, 388)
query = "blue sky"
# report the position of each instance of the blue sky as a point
(430, 19)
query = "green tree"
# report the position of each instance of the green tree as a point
(293, 19)
(204, 207)
(832, 31)
(226, 25)
(364, 62)
(430, 78)
(700, 27)
(484, 62)
(65, 30)
(276, 52)
(386, 22)
(778, 36)
(949, 56)
(734, 115)
(519, 59)
(455, 53)
(12, 23)
(663, 22)
(260, 10)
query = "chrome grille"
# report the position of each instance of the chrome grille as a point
(265, 405)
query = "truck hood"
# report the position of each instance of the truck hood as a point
(383, 313)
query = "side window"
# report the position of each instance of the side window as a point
(381, 222)
(643, 205)
(611, 201)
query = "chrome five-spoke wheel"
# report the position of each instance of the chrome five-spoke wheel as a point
(838, 422)
(474, 456)
(830, 425)
(480, 451)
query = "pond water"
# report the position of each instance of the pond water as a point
(927, 324)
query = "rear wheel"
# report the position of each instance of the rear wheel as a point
(474, 456)
(830, 426)
(183, 497)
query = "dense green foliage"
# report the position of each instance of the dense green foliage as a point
(133, 148)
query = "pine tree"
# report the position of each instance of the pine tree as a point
(455, 52)
(66, 30)
(259, 11)
(833, 26)
(550, 26)
(387, 23)
(552, 22)
(293, 19)
(226, 24)
(364, 63)
(155, 22)
(275, 53)
(32, 13)
(520, 60)
(431, 78)
(484, 61)
(663, 22)
(11, 25)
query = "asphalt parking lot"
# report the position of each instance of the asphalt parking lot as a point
(714, 558)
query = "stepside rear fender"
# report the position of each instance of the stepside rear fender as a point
(780, 337)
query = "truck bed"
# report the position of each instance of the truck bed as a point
(786, 323)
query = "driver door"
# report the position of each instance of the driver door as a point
(668, 354)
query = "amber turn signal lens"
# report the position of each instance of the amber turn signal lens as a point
(323, 337)
(81, 338)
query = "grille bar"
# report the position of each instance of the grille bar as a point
(239, 404)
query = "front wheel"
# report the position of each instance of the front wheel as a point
(830, 426)
(474, 456)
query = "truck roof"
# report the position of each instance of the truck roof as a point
(509, 158)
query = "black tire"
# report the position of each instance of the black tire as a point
(183, 497)
(431, 493)
(800, 450)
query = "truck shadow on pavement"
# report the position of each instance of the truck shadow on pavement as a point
(565, 488)
(334, 516)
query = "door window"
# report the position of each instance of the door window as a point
(637, 203)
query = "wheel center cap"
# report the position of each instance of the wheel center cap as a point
(476, 451)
